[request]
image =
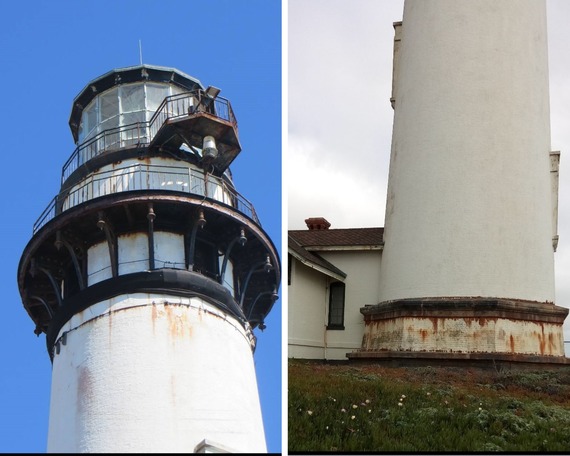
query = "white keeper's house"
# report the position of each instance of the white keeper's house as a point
(332, 272)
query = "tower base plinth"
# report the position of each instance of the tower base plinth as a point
(459, 329)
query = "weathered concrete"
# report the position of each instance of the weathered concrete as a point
(464, 326)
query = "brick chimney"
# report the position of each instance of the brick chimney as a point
(317, 223)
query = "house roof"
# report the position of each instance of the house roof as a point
(328, 239)
(303, 245)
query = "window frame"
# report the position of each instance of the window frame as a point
(334, 289)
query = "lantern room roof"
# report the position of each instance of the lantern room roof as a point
(124, 76)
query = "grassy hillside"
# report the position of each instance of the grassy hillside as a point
(356, 407)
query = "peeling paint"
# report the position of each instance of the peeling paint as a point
(461, 335)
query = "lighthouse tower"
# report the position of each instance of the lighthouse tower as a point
(470, 227)
(148, 273)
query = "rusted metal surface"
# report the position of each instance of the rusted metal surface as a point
(173, 211)
(138, 176)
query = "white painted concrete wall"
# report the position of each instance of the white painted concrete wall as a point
(469, 210)
(306, 312)
(154, 373)
(308, 305)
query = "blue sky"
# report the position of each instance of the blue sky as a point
(49, 51)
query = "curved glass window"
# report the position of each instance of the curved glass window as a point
(118, 117)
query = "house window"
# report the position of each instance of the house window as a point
(336, 306)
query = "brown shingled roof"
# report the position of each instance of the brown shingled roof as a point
(338, 237)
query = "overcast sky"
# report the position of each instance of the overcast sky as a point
(340, 119)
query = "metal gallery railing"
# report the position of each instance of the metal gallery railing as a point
(147, 177)
(189, 103)
(142, 133)
(114, 138)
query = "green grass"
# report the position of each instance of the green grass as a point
(348, 408)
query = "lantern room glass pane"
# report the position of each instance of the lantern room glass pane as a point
(155, 94)
(90, 119)
(109, 104)
(110, 139)
(111, 122)
(133, 134)
(132, 117)
(132, 97)
(127, 104)
(175, 90)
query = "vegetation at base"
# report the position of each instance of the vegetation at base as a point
(372, 408)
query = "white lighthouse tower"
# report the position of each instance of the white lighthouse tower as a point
(148, 273)
(471, 215)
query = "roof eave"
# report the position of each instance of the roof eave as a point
(317, 267)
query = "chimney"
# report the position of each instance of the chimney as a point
(317, 223)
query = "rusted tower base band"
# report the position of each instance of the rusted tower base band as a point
(464, 329)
